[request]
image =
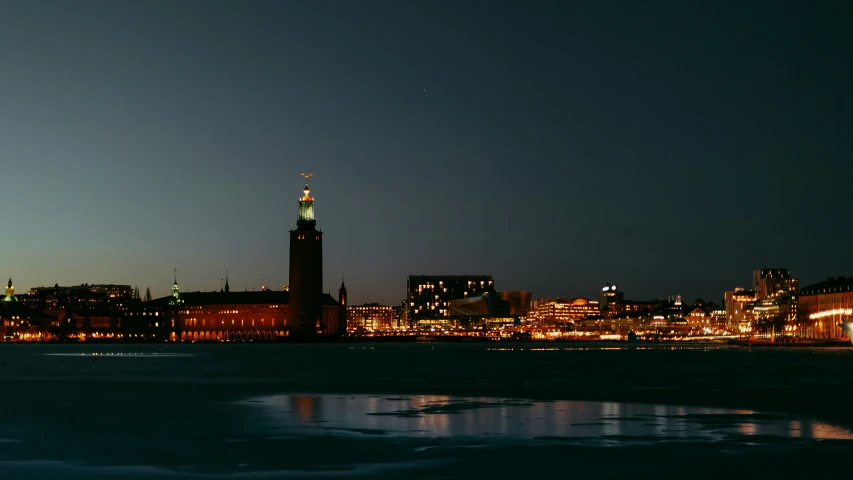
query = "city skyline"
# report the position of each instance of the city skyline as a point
(140, 138)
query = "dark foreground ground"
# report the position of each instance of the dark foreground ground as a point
(171, 411)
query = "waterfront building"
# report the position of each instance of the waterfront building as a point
(823, 306)
(706, 316)
(631, 308)
(490, 310)
(776, 313)
(19, 322)
(371, 317)
(769, 282)
(719, 319)
(736, 319)
(214, 316)
(563, 311)
(301, 309)
(771, 305)
(83, 297)
(699, 316)
(428, 296)
(518, 303)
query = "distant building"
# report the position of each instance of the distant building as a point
(631, 308)
(428, 296)
(563, 311)
(303, 308)
(491, 309)
(769, 282)
(113, 291)
(823, 306)
(113, 311)
(80, 297)
(18, 322)
(736, 318)
(231, 316)
(777, 313)
(610, 294)
(705, 316)
(371, 317)
(699, 316)
(518, 303)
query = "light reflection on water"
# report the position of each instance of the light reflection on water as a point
(442, 416)
(699, 347)
(119, 354)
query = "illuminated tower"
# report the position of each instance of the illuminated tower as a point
(306, 269)
(176, 292)
(10, 291)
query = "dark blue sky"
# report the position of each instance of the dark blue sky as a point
(668, 147)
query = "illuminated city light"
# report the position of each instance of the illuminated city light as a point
(830, 313)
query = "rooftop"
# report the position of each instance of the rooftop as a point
(830, 285)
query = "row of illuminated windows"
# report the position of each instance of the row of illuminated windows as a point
(194, 322)
(197, 310)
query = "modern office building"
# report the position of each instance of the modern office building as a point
(428, 296)
(491, 309)
(371, 317)
(769, 282)
(823, 306)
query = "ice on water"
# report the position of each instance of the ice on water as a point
(245, 412)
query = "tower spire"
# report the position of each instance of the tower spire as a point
(10, 291)
(227, 288)
(175, 291)
(342, 292)
(306, 206)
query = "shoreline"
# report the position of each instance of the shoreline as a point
(810, 343)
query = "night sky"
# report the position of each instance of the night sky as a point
(667, 147)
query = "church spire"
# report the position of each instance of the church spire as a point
(10, 291)
(175, 290)
(227, 288)
(342, 293)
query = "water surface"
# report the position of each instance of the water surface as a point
(417, 411)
